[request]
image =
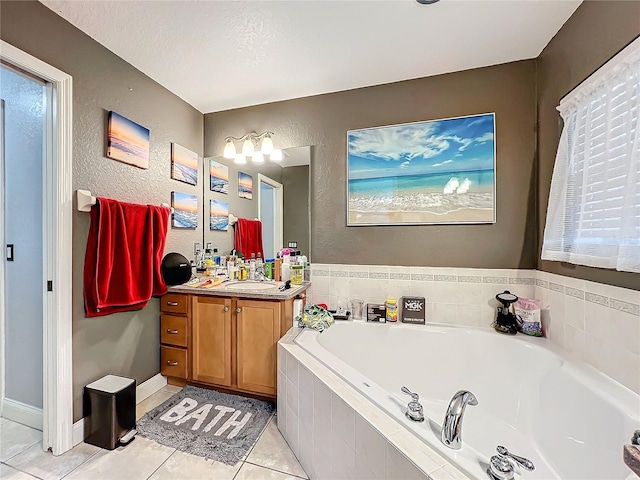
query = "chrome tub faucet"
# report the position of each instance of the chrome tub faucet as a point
(452, 425)
(414, 409)
(505, 465)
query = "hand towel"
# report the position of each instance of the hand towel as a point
(248, 237)
(123, 258)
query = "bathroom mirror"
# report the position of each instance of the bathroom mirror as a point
(275, 193)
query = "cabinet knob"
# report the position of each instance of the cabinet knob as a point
(172, 332)
(225, 309)
(171, 363)
(172, 304)
(238, 310)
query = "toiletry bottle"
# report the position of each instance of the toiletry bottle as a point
(259, 267)
(277, 269)
(208, 260)
(252, 267)
(286, 267)
(216, 257)
(391, 310)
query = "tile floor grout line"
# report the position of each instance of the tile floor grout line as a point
(21, 451)
(78, 466)
(264, 429)
(22, 471)
(237, 472)
(165, 461)
(279, 471)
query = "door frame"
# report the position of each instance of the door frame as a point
(57, 421)
(278, 228)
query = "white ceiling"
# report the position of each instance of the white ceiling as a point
(219, 55)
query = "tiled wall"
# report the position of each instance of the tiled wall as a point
(596, 323)
(338, 434)
(459, 296)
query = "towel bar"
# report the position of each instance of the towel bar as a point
(233, 219)
(86, 200)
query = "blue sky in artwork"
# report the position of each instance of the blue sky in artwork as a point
(431, 147)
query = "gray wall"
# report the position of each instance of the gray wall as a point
(123, 344)
(295, 183)
(323, 120)
(24, 138)
(593, 34)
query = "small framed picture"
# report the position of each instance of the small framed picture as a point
(219, 177)
(184, 164)
(127, 141)
(218, 215)
(245, 185)
(185, 210)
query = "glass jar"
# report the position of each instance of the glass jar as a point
(392, 309)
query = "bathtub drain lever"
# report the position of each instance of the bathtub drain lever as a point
(414, 409)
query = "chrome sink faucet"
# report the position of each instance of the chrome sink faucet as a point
(452, 425)
(414, 409)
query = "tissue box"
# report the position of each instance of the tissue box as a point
(413, 310)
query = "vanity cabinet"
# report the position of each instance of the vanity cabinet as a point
(174, 335)
(211, 349)
(228, 342)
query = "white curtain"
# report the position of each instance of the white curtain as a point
(593, 216)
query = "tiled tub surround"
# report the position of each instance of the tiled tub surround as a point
(336, 433)
(592, 322)
(518, 382)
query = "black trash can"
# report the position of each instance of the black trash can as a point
(110, 408)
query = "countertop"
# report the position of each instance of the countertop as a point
(226, 290)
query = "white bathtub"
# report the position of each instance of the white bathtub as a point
(569, 419)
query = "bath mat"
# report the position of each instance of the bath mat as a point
(207, 423)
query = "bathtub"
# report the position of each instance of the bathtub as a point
(566, 417)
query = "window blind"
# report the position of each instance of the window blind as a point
(593, 215)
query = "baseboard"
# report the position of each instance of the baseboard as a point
(22, 413)
(151, 386)
(143, 391)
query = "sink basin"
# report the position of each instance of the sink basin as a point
(249, 285)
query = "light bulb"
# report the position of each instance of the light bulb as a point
(247, 148)
(229, 150)
(267, 145)
(240, 159)
(276, 155)
(258, 157)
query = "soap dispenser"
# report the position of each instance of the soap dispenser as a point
(506, 321)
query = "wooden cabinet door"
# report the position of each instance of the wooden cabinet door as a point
(211, 346)
(258, 332)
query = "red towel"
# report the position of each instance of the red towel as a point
(123, 257)
(248, 237)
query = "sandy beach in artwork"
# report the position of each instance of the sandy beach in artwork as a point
(464, 215)
(427, 207)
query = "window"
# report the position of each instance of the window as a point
(593, 216)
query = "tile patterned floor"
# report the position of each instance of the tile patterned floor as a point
(22, 458)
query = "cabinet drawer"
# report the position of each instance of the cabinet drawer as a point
(174, 303)
(173, 362)
(173, 330)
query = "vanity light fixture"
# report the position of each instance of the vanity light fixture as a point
(250, 143)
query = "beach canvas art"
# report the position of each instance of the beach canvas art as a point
(218, 215)
(245, 185)
(431, 172)
(219, 175)
(185, 210)
(184, 164)
(127, 141)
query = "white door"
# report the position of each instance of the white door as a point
(270, 213)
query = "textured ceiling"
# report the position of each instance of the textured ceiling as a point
(219, 55)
